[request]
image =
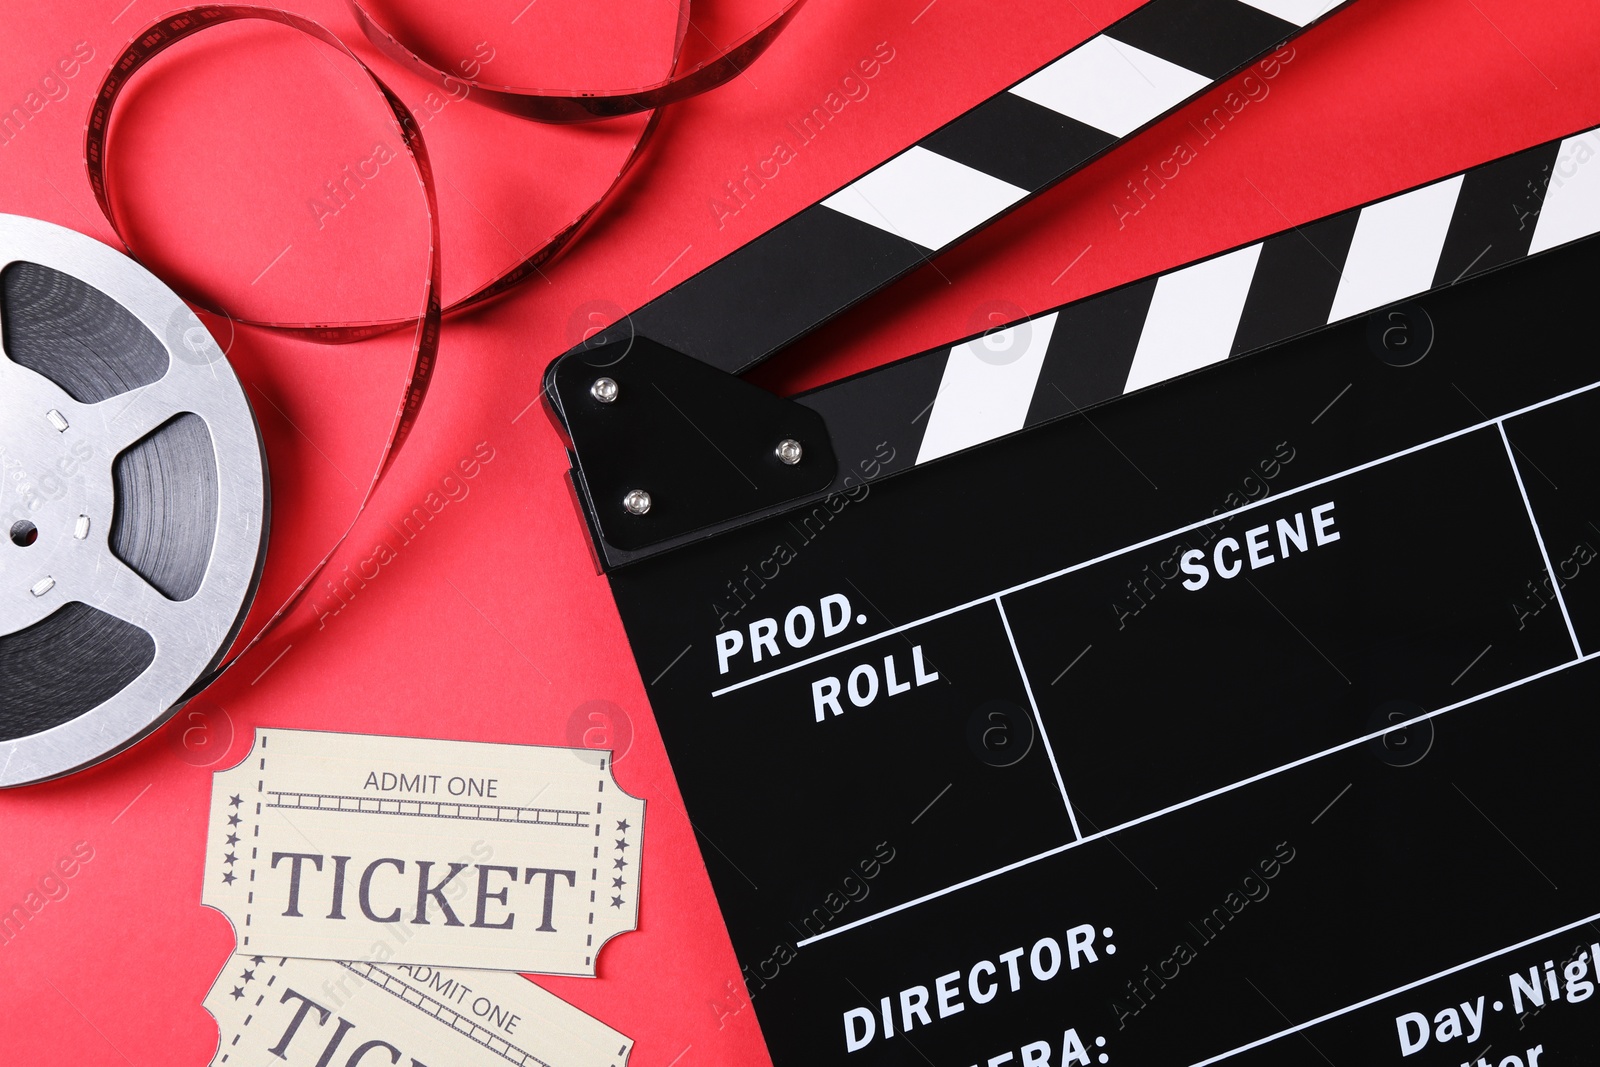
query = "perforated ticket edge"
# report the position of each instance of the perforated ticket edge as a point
(234, 823)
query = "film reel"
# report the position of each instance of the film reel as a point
(133, 502)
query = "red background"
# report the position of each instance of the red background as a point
(492, 625)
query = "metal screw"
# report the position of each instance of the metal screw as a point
(789, 451)
(604, 390)
(637, 502)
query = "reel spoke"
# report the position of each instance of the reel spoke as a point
(137, 505)
(130, 418)
(120, 591)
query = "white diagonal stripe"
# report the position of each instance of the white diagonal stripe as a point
(1396, 247)
(1193, 318)
(925, 198)
(1112, 86)
(987, 387)
(1299, 12)
(1572, 203)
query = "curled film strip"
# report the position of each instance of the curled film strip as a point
(136, 497)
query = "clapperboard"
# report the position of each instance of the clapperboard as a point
(1188, 674)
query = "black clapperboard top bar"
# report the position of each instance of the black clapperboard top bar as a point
(673, 361)
(1060, 361)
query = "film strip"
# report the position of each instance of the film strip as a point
(961, 177)
(534, 104)
(571, 106)
(150, 623)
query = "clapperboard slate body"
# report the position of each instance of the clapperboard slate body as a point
(1249, 718)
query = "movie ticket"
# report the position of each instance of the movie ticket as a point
(458, 854)
(272, 1010)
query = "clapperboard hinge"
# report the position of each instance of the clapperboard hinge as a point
(664, 453)
(1068, 359)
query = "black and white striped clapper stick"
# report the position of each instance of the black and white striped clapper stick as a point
(1230, 304)
(1069, 358)
(753, 302)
